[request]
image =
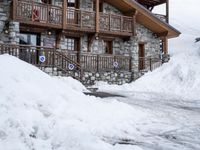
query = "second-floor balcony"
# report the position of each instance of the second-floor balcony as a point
(46, 15)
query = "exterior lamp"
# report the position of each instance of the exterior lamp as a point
(49, 33)
(6, 31)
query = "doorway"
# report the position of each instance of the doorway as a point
(108, 47)
(141, 54)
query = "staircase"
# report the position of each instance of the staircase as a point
(47, 59)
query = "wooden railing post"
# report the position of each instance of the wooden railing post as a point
(48, 14)
(64, 17)
(109, 22)
(32, 14)
(121, 23)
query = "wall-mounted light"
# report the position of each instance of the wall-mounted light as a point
(6, 31)
(49, 32)
(6, 28)
(96, 37)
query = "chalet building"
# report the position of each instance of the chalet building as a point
(93, 40)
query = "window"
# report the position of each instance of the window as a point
(70, 44)
(71, 3)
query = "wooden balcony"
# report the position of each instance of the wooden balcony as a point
(80, 20)
(110, 23)
(50, 16)
(32, 13)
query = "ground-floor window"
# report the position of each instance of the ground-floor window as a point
(29, 39)
(71, 43)
(141, 55)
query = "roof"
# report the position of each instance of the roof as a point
(145, 17)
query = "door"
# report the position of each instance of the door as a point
(28, 50)
(108, 47)
(141, 54)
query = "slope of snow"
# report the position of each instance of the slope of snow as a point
(180, 77)
(43, 113)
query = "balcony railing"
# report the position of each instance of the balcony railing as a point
(35, 13)
(38, 13)
(81, 19)
(115, 23)
(100, 62)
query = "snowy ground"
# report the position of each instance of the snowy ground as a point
(44, 113)
(160, 111)
(171, 96)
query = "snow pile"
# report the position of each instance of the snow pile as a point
(44, 113)
(180, 77)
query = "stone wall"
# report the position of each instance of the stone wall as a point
(90, 78)
(111, 77)
(12, 36)
(110, 9)
(86, 5)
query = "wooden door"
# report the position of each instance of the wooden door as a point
(141, 54)
(108, 47)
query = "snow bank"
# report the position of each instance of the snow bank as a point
(45, 113)
(180, 77)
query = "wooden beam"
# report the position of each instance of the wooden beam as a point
(97, 16)
(134, 23)
(165, 45)
(162, 34)
(14, 9)
(64, 14)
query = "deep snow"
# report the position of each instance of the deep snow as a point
(161, 111)
(180, 77)
(42, 113)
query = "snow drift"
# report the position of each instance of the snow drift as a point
(180, 77)
(45, 113)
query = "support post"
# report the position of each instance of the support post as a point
(64, 14)
(165, 45)
(14, 9)
(134, 23)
